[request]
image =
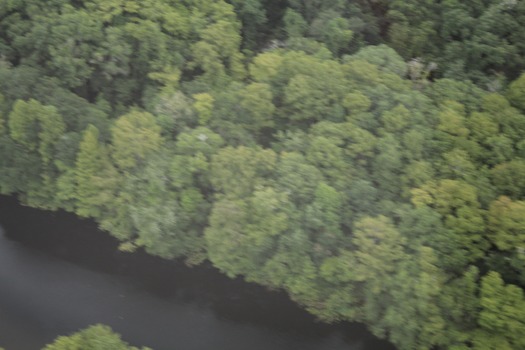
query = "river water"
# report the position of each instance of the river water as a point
(59, 274)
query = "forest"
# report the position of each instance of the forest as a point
(367, 156)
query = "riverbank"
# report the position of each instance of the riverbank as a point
(67, 274)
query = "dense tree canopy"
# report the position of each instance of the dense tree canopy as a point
(367, 157)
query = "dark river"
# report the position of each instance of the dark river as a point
(59, 274)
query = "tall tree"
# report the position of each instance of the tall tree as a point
(96, 177)
(501, 319)
(36, 127)
(134, 136)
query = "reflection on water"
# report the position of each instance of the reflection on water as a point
(59, 274)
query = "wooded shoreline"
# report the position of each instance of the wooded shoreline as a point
(371, 164)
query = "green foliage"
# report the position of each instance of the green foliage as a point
(253, 16)
(420, 326)
(379, 250)
(265, 66)
(297, 178)
(501, 318)
(173, 112)
(475, 40)
(507, 224)
(516, 92)
(165, 223)
(134, 137)
(22, 124)
(258, 109)
(20, 169)
(323, 221)
(457, 203)
(383, 57)
(239, 171)
(294, 24)
(366, 157)
(96, 178)
(204, 106)
(36, 127)
(507, 178)
(332, 30)
(243, 233)
(97, 337)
